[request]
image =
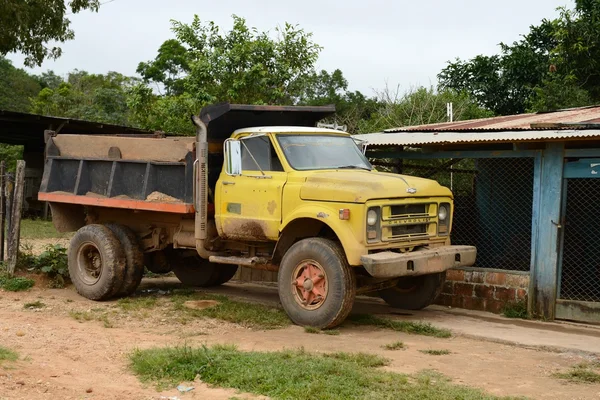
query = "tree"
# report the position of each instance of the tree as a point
(16, 87)
(28, 25)
(239, 66)
(505, 83)
(92, 97)
(420, 106)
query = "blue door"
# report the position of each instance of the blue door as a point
(578, 290)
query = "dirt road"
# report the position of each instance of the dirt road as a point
(62, 358)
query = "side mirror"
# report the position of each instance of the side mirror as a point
(233, 157)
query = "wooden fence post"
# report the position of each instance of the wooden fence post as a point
(9, 190)
(17, 206)
(2, 206)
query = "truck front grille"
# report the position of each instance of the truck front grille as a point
(409, 222)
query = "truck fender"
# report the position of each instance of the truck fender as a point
(308, 222)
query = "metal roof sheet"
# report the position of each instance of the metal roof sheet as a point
(520, 122)
(435, 137)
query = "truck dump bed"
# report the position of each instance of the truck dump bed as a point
(152, 174)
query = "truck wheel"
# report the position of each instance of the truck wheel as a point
(157, 262)
(96, 262)
(317, 287)
(194, 271)
(224, 274)
(134, 270)
(414, 293)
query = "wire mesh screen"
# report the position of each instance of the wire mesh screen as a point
(493, 205)
(580, 278)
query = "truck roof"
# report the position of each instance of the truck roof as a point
(288, 129)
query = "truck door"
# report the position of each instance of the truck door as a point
(249, 203)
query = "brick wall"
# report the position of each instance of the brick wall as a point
(483, 289)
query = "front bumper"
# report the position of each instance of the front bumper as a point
(421, 262)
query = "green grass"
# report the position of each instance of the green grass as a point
(96, 314)
(137, 303)
(330, 332)
(34, 304)
(15, 283)
(39, 229)
(312, 329)
(250, 315)
(7, 354)
(293, 374)
(516, 310)
(394, 346)
(433, 352)
(415, 328)
(582, 373)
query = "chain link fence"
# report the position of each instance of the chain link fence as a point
(493, 205)
(580, 277)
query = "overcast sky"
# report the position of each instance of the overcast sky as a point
(372, 41)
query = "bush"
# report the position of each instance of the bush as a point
(14, 283)
(52, 262)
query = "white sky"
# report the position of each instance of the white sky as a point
(373, 42)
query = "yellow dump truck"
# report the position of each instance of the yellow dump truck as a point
(260, 187)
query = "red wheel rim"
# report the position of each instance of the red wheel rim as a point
(309, 284)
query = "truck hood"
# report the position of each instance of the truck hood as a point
(352, 186)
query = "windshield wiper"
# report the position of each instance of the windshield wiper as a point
(352, 167)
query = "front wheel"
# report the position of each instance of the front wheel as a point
(414, 293)
(317, 287)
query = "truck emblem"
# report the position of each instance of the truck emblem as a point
(411, 190)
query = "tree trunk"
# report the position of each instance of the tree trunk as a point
(17, 206)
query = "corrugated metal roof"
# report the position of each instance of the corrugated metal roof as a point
(434, 137)
(583, 115)
(576, 123)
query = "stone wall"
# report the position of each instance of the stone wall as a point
(483, 289)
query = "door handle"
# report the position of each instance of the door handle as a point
(228, 183)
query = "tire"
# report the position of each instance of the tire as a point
(414, 293)
(224, 274)
(96, 262)
(330, 299)
(134, 269)
(195, 271)
(157, 262)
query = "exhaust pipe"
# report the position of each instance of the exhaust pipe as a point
(201, 188)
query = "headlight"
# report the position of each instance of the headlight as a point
(443, 212)
(371, 217)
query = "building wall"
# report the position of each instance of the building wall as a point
(484, 289)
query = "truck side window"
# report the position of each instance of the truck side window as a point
(263, 152)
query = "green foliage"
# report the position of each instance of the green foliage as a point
(16, 86)
(432, 352)
(293, 374)
(7, 354)
(28, 25)
(91, 97)
(14, 283)
(419, 106)
(52, 262)
(558, 92)
(516, 310)
(415, 328)
(582, 373)
(34, 304)
(394, 346)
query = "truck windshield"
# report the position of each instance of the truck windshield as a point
(307, 152)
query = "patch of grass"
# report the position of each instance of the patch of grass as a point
(433, 352)
(251, 315)
(39, 229)
(82, 316)
(415, 328)
(93, 315)
(394, 346)
(516, 310)
(311, 329)
(137, 303)
(15, 283)
(7, 354)
(293, 374)
(34, 304)
(581, 373)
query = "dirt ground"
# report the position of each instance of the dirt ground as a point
(61, 358)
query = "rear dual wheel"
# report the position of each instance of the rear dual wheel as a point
(105, 261)
(197, 272)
